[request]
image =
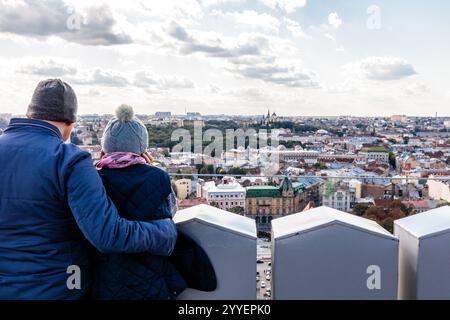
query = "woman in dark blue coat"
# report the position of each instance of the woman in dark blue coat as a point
(143, 192)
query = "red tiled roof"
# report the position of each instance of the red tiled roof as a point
(416, 203)
(191, 202)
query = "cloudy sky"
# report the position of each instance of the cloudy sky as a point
(296, 57)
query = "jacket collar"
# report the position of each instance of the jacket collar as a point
(38, 124)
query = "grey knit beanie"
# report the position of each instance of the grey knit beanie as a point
(53, 100)
(125, 133)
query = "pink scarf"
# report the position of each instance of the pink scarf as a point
(118, 160)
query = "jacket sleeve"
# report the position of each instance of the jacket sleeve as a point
(169, 206)
(99, 221)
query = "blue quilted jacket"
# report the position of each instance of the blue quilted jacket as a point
(141, 193)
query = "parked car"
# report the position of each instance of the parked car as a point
(263, 284)
(268, 277)
(259, 261)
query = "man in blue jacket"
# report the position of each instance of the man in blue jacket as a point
(53, 206)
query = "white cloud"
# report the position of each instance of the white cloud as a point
(343, 87)
(91, 93)
(380, 68)
(285, 5)
(101, 77)
(254, 53)
(186, 11)
(215, 45)
(156, 10)
(416, 89)
(47, 66)
(148, 80)
(250, 93)
(211, 3)
(256, 21)
(334, 20)
(214, 89)
(250, 57)
(294, 28)
(42, 19)
(285, 74)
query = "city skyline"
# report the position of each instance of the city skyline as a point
(234, 57)
(256, 115)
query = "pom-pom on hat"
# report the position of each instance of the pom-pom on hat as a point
(124, 113)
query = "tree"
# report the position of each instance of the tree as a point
(215, 205)
(237, 210)
(360, 208)
(206, 169)
(320, 166)
(397, 210)
(237, 171)
(398, 204)
(443, 204)
(328, 189)
(375, 213)
(392, 161)
(199, 166)
(388, 224)
(220, 171)
(361, 126)
(396, 213)
(291, 144)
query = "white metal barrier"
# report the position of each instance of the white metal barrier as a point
(424, 255)
(327, 254)
(230, 242)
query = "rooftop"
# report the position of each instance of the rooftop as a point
(263, 192)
